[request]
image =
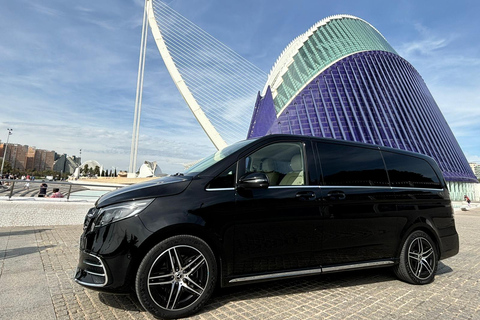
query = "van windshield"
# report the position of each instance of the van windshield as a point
(209, 161)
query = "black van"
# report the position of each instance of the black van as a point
(275, 207)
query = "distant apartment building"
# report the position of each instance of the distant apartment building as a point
(30, 158)
(17, 156)
(26, 158)
(475, 168)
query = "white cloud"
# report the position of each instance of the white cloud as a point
(473, 158)
(427, 44)
(451, 75)
(68, 74)
(45, 10)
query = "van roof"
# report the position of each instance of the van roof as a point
(346, 142)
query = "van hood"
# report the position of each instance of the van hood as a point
(161, 187)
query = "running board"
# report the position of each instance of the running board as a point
(338, 268)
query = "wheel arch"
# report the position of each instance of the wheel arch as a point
(201, 232)
(422, 224)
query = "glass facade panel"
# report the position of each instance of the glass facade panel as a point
(347, 82)
(331, 42)
(387, 104)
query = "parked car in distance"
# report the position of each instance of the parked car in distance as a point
(275, 207)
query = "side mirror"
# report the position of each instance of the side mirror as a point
(256, 180)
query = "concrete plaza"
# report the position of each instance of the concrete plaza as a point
(38, 257)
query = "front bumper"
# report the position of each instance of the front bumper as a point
(109, 254)
(91, 271)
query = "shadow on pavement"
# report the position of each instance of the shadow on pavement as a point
(443, 268)
(275, 288)
(267, 289)
(18, 252)
(127, 302)
(22, 232)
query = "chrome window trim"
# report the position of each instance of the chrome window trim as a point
(293, 187)
(219, 189)
(380, 187)
(314, 271)
(355, 187)
(411, 188)
(337, 187)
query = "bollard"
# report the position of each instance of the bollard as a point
(11, 190)
(69, 191)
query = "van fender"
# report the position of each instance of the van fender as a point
(424, 224)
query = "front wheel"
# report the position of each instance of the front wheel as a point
(418, 259)
(176, 277)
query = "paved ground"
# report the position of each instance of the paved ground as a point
(37, 263)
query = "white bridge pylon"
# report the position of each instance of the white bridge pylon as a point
(219, 86)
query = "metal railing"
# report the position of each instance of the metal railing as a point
(70, 190)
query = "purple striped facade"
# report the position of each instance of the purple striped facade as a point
(375, 97)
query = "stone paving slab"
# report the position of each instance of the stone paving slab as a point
(37, 265)
(42, 213)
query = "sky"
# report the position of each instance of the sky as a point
(68, 69)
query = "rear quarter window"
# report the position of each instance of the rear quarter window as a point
(409, 171)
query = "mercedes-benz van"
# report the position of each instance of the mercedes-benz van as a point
(275, 207)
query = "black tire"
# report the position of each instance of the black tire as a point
(176, 277)
(418, 259)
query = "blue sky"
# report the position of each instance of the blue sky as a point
(68, 69)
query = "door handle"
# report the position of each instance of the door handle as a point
(306, 195)
(337, 195)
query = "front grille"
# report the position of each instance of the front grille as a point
(91, 271)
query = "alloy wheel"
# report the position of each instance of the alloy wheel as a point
(178, 277)
(421, 258)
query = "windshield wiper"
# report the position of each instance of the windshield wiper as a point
(178, 174)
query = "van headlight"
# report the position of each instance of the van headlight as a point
(121, 211)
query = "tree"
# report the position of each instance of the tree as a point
(85, 169)
(96, 171)
(7, 168)
(115, 172)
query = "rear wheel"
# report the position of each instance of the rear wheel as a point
(418, 259)
(176, 277)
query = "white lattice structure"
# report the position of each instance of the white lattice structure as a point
(218, 85)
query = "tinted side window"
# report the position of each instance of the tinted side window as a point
(282, 163)
(351, 166)
(226, 179)
(406, 171)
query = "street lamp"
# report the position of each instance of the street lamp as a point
(5, 151)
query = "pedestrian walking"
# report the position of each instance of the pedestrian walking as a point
(468, 200)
